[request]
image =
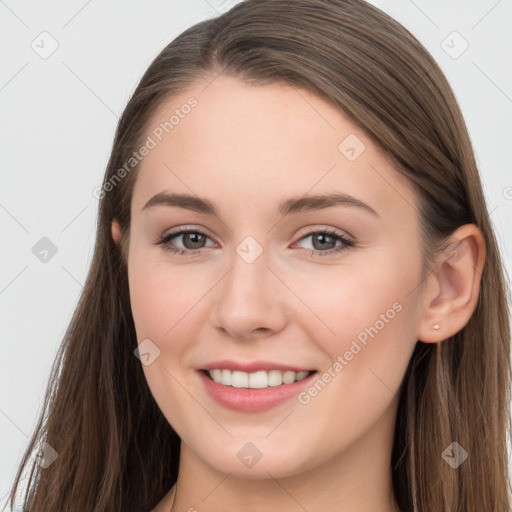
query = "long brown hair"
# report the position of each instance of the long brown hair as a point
(116, 451)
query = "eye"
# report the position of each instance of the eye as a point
(193, 240)
(326, 239)
(323, 241)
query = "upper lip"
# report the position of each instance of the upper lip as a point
(253, 366)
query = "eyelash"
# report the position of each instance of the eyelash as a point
(165, 242)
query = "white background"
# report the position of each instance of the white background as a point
(58, 117)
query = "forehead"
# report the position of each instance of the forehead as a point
(259, 144)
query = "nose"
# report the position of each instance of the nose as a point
(249, 301)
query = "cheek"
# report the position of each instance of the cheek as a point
(346, 301)
(166, 308)
(161, 295)
(363, 320)
(368, 350)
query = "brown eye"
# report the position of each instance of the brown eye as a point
(192, 239)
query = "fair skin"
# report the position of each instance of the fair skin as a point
(246, 149)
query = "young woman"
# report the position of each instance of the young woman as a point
(296, 300)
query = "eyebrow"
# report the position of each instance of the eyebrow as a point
(290, 206)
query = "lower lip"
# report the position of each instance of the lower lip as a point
(251, 399)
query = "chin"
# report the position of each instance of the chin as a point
(255, 461)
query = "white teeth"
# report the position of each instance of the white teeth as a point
(301, 375)
(275, 378)
(288, 377)
(226, 377)
(239, 379)
(256, 380)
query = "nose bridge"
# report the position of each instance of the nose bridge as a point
(247, 299)
(248, 282)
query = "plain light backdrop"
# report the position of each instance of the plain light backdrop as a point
(67, 71)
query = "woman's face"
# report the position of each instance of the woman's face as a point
(259, 289)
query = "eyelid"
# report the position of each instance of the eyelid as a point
(314, 228)
(179, 230)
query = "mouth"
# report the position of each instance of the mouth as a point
(256, 391)
(255, 380)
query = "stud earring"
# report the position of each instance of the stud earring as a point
(436, 327)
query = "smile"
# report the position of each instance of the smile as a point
(255, 391)
(255, 380)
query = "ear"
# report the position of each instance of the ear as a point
(115, 231)
(453, 296)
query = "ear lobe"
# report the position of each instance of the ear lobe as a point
(454, 296)
(115, 230)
